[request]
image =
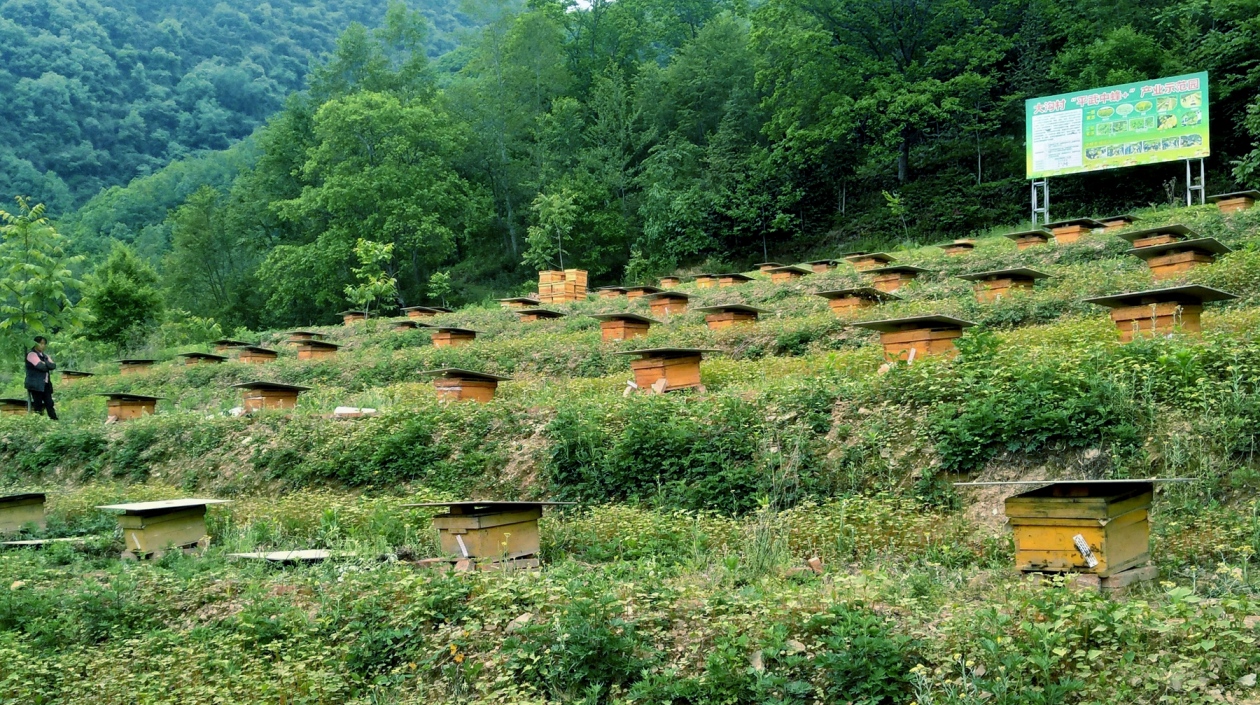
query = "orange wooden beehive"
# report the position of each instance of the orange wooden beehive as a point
(634, 292)
(300, 335)
(611, 292)
(733, 279)
(255, 355)
(726, 315)
(200, 358)
(1175, 258)
(764, 267)
(1159, 311)
(783, 275)
(670, 282)
(134, 366)
(1118, 222)
(561, 286)
(13, 407)
(316, 350)
(862, 261)
(227, 344)
(622, 326)
(424, 311)
(125, 407)
(352, 317)
(529, 315)
(1069, 231)
(894, 276)
(678, 367)
(917, 336)
(1160, 235)
(269, 396)
(668, 302)
(72, 376)
(822, 266)
(448, 337)
(958, 247)
(846, 301)
(518, 302)
(454, 384)
(706, 281)
(1236, 201)
(1025, 239)
(993, 285)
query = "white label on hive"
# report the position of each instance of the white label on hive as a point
(1087, 554)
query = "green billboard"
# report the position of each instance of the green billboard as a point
(1161, 120)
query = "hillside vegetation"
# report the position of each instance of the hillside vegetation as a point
(678, 577)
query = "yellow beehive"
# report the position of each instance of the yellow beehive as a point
(19, 510)
(12, 406)
(488, 530)
(126, 407)
(1111, 519)
(151, 528)
(269, 396)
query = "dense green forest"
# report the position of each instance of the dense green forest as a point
(94, 93)
(649, 135)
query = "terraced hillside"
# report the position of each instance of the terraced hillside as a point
(681, 576)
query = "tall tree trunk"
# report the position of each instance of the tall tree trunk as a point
(903, 157)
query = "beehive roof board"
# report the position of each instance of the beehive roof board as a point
(518, 299)
(161, 506)
(261, 350)
(1044, 234)
(456, 373)
(492, 505)
(669, 295)
(203, 356)
(1124, 217)
(1203, 244)
(135, 361)
(409, 323)
(861, 292)
(429, 309)
(123, 396)
(352, 313)
(277, 386)
(229, 343)
(624, 317)
(644, 289)
(539, 312)
(1190, 294)
(991, 483)
(822, 261)
(1086, 222)
(1014, 273)
(1175, 229)
(892, 268)
(78, 373)
(736, 276)
(313, 333)
(768, 264)
(880, 256)
(453, 329)
(12, 402)
(790, 268)
(668, 352)
(1255, 195)
(321, 344)
(892, 325)
(732, 307)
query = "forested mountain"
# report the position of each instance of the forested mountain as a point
(94, 93)
(653, 134)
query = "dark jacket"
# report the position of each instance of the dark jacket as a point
(37, 375)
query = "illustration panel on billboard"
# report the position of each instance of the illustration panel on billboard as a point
(1161, 120)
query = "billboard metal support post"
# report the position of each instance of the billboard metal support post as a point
(1193, 184)
(1041, 188)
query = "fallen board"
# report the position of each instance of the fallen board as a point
(310, 555)
(37, 543)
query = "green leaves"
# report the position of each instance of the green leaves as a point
(36, 282)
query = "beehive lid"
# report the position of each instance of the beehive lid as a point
(646, 289)
(540, 312)
(742, 308)
(23, 496)
(1176, 229)
(1202, 244)
(203, 356)
(667, 352)
(161, 506)
(514, 300)
(1014, 273)
(894, 268)
(260, 349)
(736, 275)
(790, 268)
(135, 361)
(707, 276)
(861, 292)
(305, 332)
(768, 264)
(78, 373)
(321, 344)
(1125, 217)
(127, 396)
(878, 256)
(13, 401)
(669, 295)
(428, 309)
(456, 373)
(1236, 194)
(1189, 294)
(1043, 234)
(229, 343)
(453, 329)
(958, 243)
(893, 325)
(271, 386)
(410, 323)
(1086, 222)
(489, 506)
(352, 313)
(822, 261)
(624, 317)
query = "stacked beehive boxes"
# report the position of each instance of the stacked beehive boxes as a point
(561, 286)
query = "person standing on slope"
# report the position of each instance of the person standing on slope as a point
(38, 379)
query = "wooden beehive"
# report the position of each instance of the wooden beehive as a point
(863, 261)
(1118, 222)
(679, 367)
(125, 407)
(151, 528)
(200, 358)
(255, 355)
(1162, 235)
(1025, 239)
(518, 302)
(666, 303)
(846, 301)
(670, 282)
(622, 326)
(352, 317)
(783, 275)
(611, 292)
(917, 336)
(1173, 259)
(19, 510)
(1110, 517)
(1069, 231)
(727, 315)
(1159, 311)
(454, 384)
(764, 267)
(634, 292)
(733, 279)
(226, 344)
(706, 281)
(424, 311)
(958, 247)
(893, 277)
(316, 350)
(268, 396)
(296, 336)
(134, 366)
(72, 376)
(407, 324)
(561, 286)
(822, 266)
(10, 406)
(447, 337)
(488, 530)
(994, 285)
(529, 315)
(1236, 201)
